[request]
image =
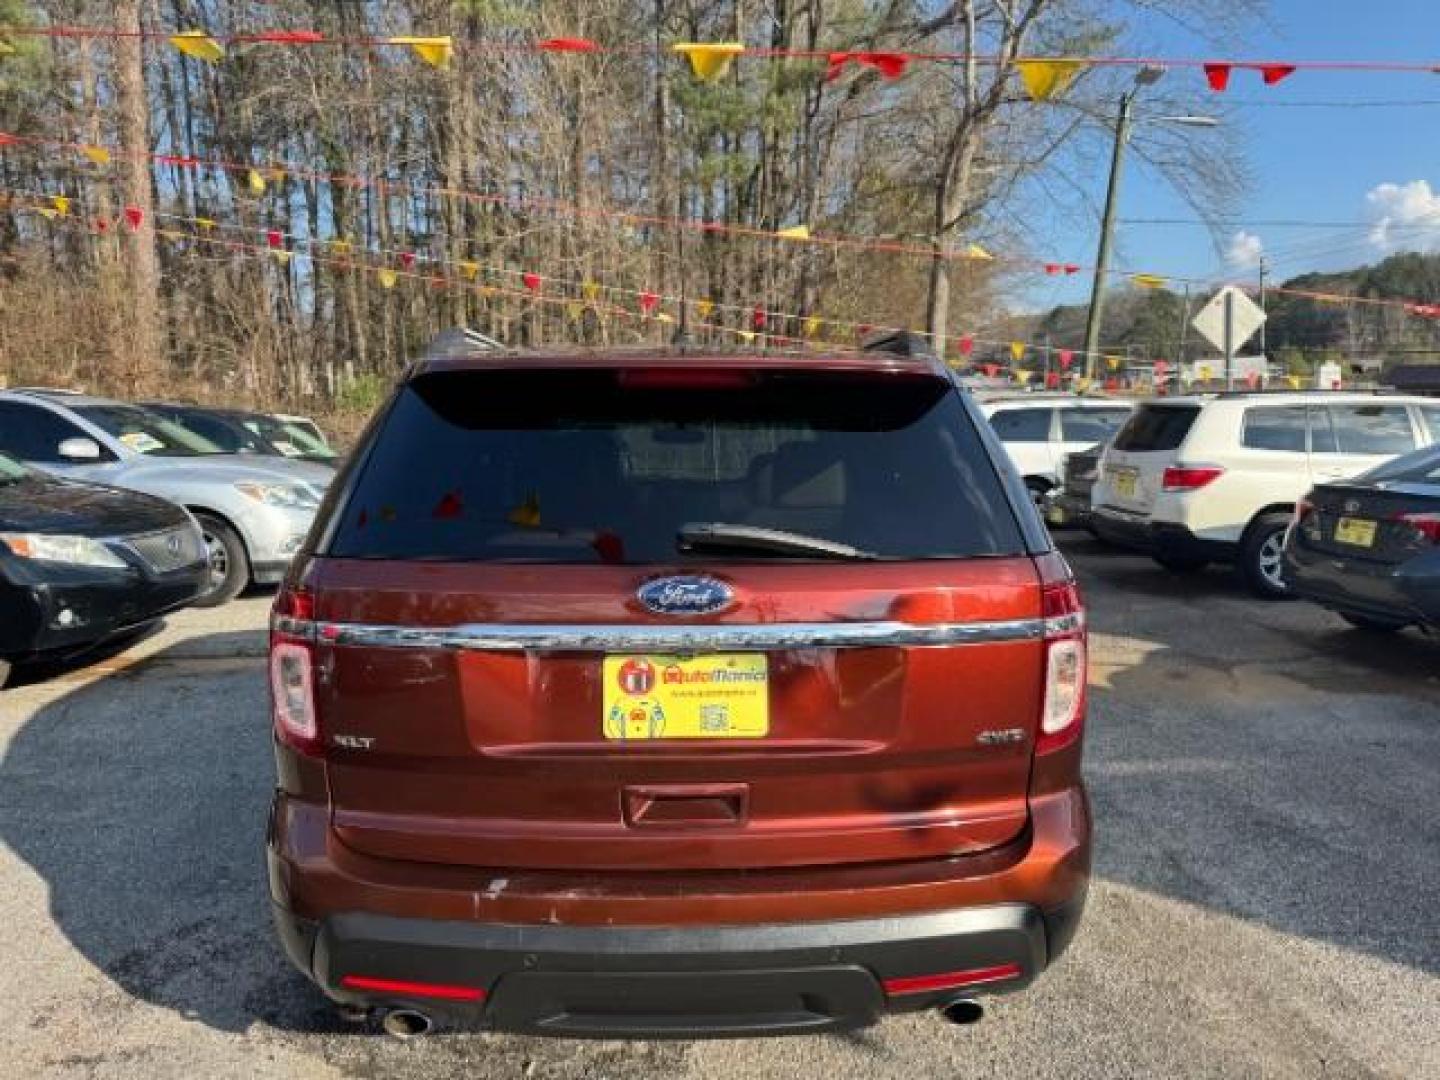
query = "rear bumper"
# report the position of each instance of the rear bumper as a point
(1407, 591)
(690, 982)
(680, 954)
(1160, 538)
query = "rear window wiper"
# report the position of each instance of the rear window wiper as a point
(722, 536)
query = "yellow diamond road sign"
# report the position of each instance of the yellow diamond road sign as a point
(1246, 317)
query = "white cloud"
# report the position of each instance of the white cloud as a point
(1244, 251)
(1405, 216)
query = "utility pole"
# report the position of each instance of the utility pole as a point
(1107, 229)
(1263, 268)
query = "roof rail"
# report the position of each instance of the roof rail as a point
(70, 390)
(1275, 391)
(462, 341)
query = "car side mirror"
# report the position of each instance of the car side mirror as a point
(80, 449)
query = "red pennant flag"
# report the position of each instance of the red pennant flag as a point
(1066, 359)
(1052, 268)
(568, 45)
(532, 281)
(759, 319)
(967, 346)
(891, 65)
(135, 216)
(835, 65)
(1160, 368)
(274, 239)
(863, 331)
(407, 259)
(1274, 73)
(1052, 380)
(101, 225)
(449, 507)
(990, 370)
(1072, 268)
(649, 301)
(1218, 75)
(1252, 379)
(1112, 383)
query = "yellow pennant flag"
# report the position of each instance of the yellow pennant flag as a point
(1113, 363)
(1017, 349)
(591, 291)
(204, 224)
(98, 155)
(49, 213)
(975, 251)
(527, 514)
(575, 309)
(746, 336)
(282, 257)
(709, 60)
(706, 308)
(796, 232)
(1203, 373)
(255, 182)
(341, 247)
(1148, 281)
(1044, 79)
(1295, 381)
(386, 277)
(1023, 377)
(61, 204)
(1081, 383)
(813, 325)
(469, 269)
(198, 44)
(435, 51)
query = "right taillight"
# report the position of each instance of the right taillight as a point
(1062, 716)
(292, 672)
(1425, 525)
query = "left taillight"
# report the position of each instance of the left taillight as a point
(1062, 717)
(292, 672)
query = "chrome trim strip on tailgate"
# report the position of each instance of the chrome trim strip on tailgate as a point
(708, 637)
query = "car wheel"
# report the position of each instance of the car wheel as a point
(229, 565)
(1372, 625)
(1181, 564)
(1262, 557)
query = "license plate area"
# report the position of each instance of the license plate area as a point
(1127, 483)
(712, 696)
(1357, 532)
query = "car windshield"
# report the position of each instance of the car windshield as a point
(585, 466)
(146, 433)
(11, 470)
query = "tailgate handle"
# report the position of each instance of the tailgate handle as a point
(686, 806)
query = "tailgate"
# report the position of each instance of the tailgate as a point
(899, 705)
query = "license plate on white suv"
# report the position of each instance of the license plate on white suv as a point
(1126, 482)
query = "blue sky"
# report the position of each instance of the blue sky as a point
(1309, 163)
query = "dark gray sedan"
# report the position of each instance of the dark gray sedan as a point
(1369, 548)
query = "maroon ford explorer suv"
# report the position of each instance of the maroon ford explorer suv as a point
(677, 695)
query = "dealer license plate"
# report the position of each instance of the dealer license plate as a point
(721, 696)
(1127, 483)
(1355, 531)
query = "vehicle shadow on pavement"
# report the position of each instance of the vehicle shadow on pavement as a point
(141, 799)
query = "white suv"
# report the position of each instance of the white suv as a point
(1039, 431)
(1195, 480)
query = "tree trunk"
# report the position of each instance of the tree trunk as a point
(146, 361)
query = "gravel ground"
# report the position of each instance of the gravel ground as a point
(1267, 794)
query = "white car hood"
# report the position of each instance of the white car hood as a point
(220, 469)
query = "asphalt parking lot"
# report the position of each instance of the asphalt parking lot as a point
(1267, 794)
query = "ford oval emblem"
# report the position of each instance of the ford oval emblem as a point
(685, 595)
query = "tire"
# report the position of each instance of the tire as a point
(229, 564)
(1261, 551)
(1181, 564)
(1372, 625)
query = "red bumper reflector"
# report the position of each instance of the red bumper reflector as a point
(951, 980)
(413, 989)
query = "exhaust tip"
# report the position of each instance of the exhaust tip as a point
(406, 1024)
(962, 1012)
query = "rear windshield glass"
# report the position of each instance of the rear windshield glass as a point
(1418, 467)
(1154, 428)
(574, 467)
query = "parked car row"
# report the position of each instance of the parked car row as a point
(1322, 495)
(113, 514)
